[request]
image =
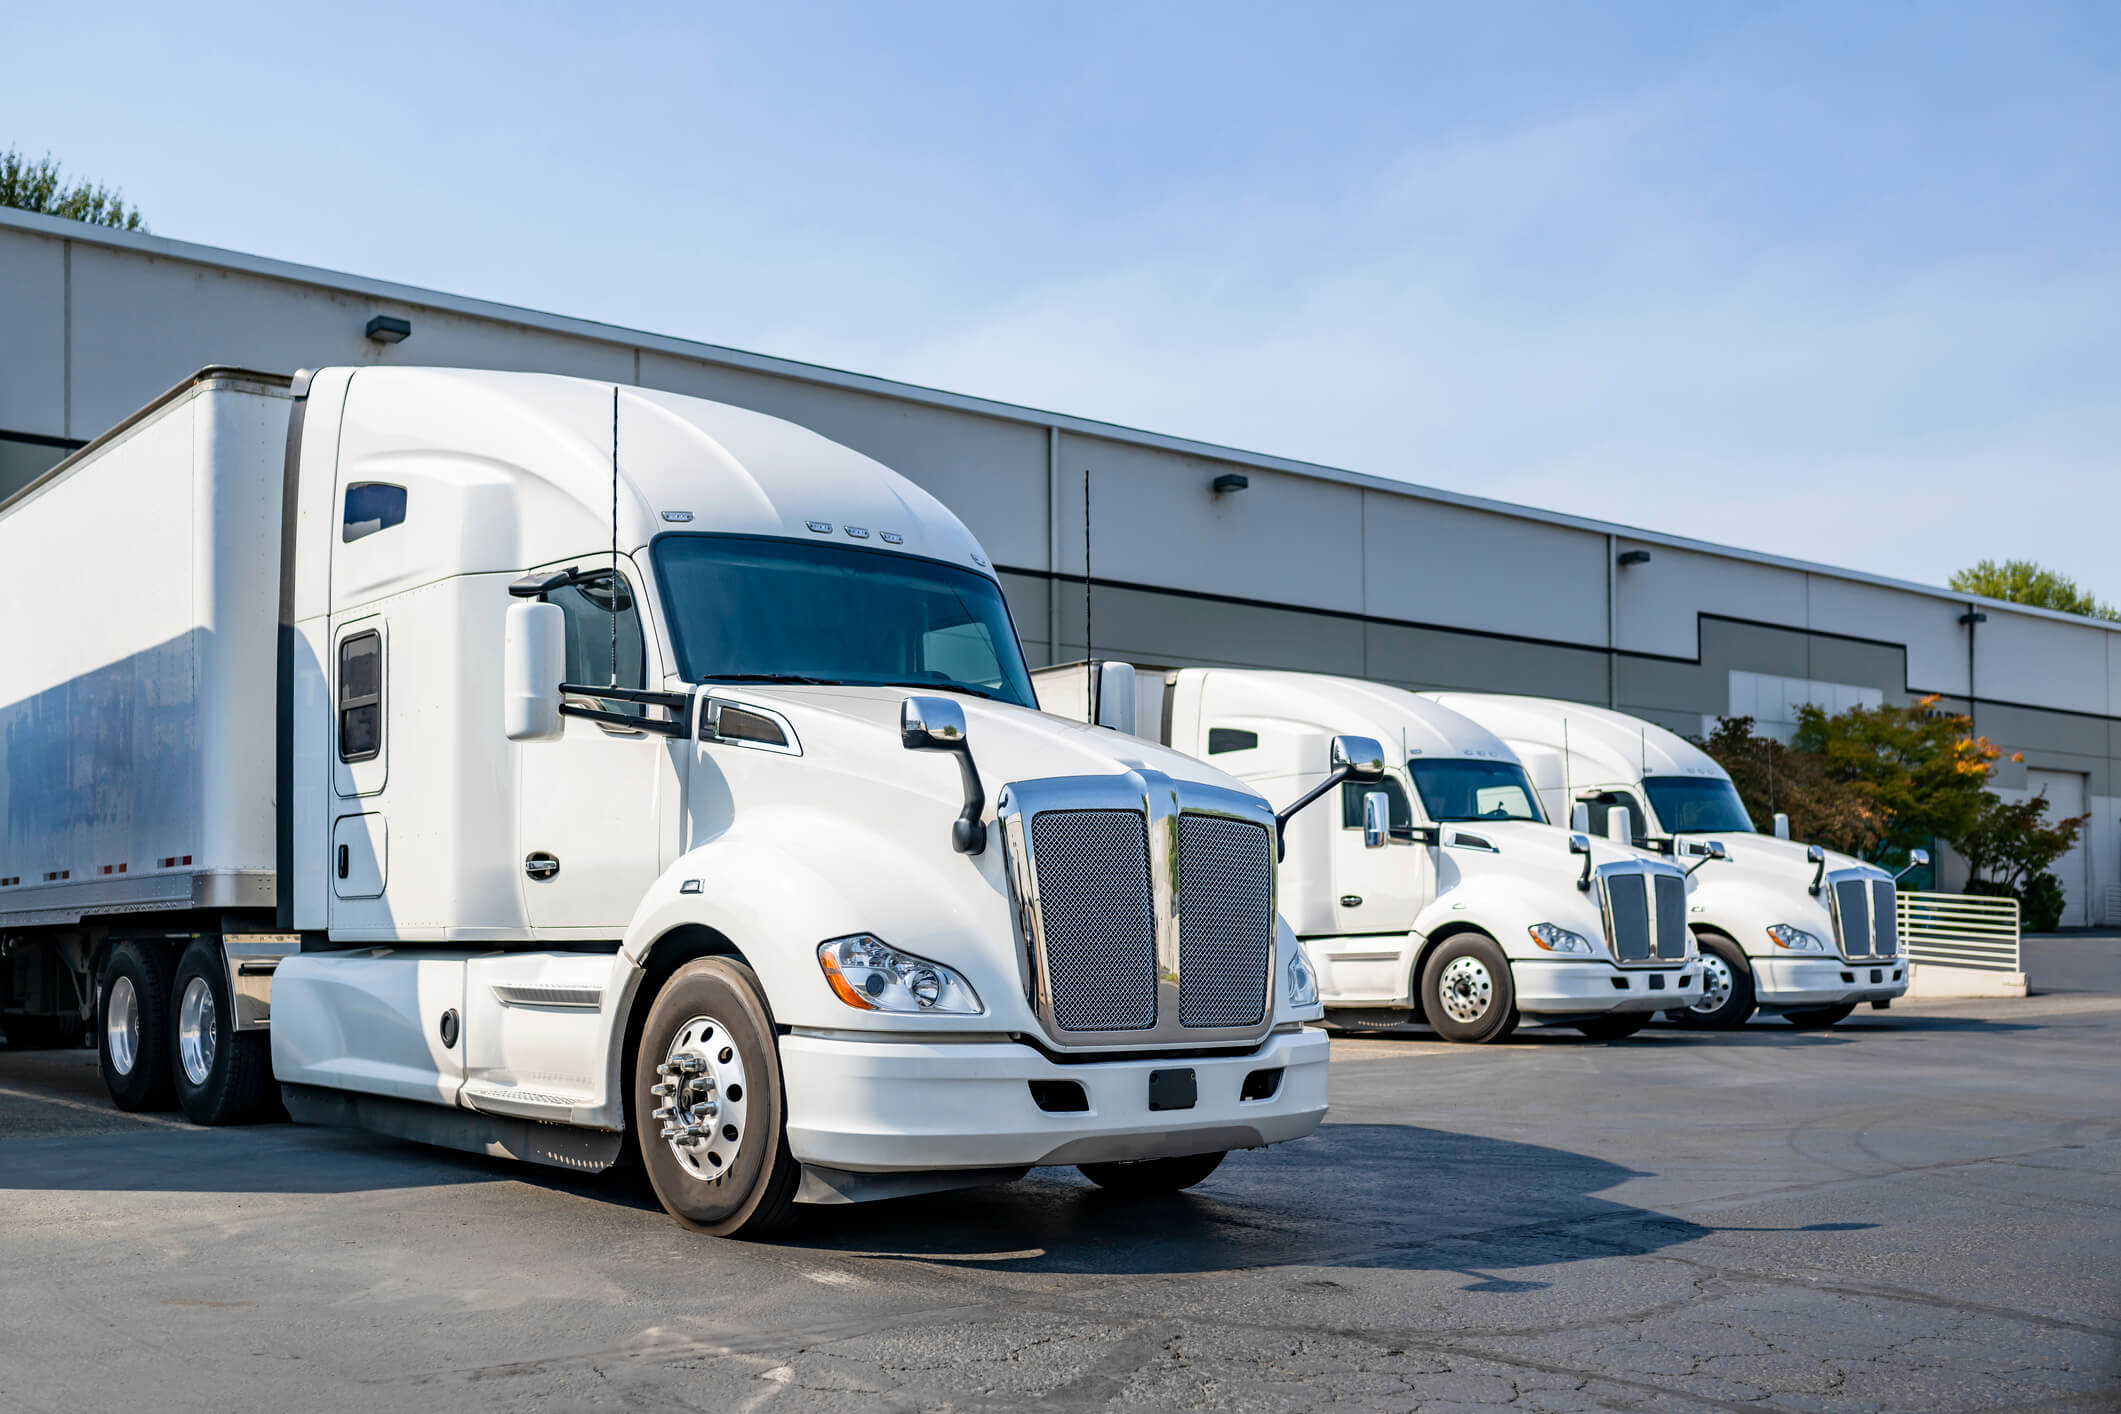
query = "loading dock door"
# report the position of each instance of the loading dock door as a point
(2065, 799)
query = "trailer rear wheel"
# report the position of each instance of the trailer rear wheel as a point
(709, 1109)
(221, 1074)
(133, 1041)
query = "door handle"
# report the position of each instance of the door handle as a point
(344, 855)
(1351, 900)
(540, 865)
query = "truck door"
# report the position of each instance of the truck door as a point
(589, 834)
(1377, 893)
(360, 836)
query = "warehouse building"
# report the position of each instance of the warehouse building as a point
(1160, 549)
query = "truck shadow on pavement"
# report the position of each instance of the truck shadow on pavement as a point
(1354, 1195)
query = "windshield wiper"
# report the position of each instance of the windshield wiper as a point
(769, 677)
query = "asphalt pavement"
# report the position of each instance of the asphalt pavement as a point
(1919, 1210)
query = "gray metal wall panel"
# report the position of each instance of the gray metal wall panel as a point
(1444, 564)
(1167, 628)
(1431, 659)
(33, 355)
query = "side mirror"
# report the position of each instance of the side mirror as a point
(1359, 759)
(1782, 826)
(1620, 825)
(1916, 859)
(1815, 855)
(938, 724)
(1376, 820)
(1354, 758)
(1115, 696)
(1580, 843)
(533, 663)
(1712, 850)
(1580, 818)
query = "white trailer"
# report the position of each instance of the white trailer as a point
(1440, 892)
(537, 767)
(1789, 929)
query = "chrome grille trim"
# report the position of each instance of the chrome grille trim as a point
(1643, 903)
(1864, 907)
(1166, 817)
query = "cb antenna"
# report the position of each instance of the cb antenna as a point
(614, 535)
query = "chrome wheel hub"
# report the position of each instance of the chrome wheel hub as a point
(121, 1026)
(195, 1030)
(702, 1098)
(1715, 983)
(1467, 989)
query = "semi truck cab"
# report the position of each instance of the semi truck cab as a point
(1784, 928)
(1442, 892)
(587, 765)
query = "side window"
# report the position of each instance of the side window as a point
(1602, 807)
(1221, 739)
(371, 506)
(1351, 795)
(587, 604)
(361, 697)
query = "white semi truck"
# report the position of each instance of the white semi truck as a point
(522, 763)
(1440, 892)
(1784, 928)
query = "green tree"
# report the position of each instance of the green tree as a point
(1771, 778)
(1921, 771)
(39, 186)
(2010, 842)
(2024, 582)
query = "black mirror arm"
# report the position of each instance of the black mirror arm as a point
(968, 833)
(1283, 816)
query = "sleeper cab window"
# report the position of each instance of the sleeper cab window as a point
(371, 506)
(1221, 739)
(361, 696)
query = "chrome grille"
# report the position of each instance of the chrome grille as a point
(1885, 919)
(1225, 920)
(1099, 922)
(1627, 909)
(1670, 893)
(1865, 922)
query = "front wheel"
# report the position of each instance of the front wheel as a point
(709, 1109)
(221, 1075)
(1614, 1028)
(1818, 1018)
(1727, 998)
(1146, 1177)
(1467, 992)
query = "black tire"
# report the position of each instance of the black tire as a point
(221, 1075)
(1738, 1003)
(1818, 1018)
(1615, 1027)
(136, 979)
(1497, 1016)
(1142, 1178)
(751, 1190)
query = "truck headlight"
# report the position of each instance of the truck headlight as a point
(1555, 938)
(1303, 979)
(869, 974)
(1795, 939)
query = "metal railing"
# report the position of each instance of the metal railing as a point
(1960, 930)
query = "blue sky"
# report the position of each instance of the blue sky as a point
(1837, 281)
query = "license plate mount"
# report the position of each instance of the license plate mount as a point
(1173, 1089)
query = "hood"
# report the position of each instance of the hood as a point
(1769, 857)
(1009, 743)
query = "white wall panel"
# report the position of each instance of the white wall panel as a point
(33, 353)
(1659, 604)
(1435, 563)
(1288, 539)
(141, 323)
(2040, 661)
(1936, 645)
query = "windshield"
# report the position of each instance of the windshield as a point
(1474, 790)
(747, 608)
(1687, 805)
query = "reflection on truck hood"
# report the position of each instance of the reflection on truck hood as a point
(1523, 840)
(1009, 743)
